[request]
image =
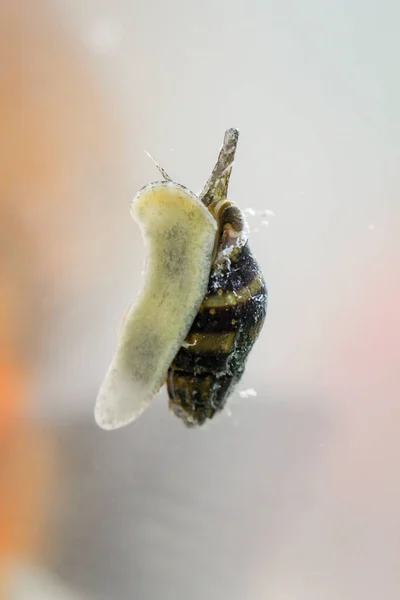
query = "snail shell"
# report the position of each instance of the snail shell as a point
(212, 359)
(201, 308)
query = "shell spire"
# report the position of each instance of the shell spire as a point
(216, 188)
(233, 230)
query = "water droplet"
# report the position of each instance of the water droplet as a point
(251, 392)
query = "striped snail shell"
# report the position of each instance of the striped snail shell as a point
(212, 359)
(201, 308)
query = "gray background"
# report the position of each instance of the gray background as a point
(293, 493)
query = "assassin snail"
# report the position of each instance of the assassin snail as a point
(201, 308)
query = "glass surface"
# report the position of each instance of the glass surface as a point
(293, 491)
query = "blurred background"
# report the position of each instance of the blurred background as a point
(293, 491)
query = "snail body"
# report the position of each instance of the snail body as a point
(201, 309)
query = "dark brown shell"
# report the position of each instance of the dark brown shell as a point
(212, 360)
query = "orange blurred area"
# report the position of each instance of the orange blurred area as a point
(58, 134)
(25, 489)
(13, 394)
(50, 111)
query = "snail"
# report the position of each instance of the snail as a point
(200, 310)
